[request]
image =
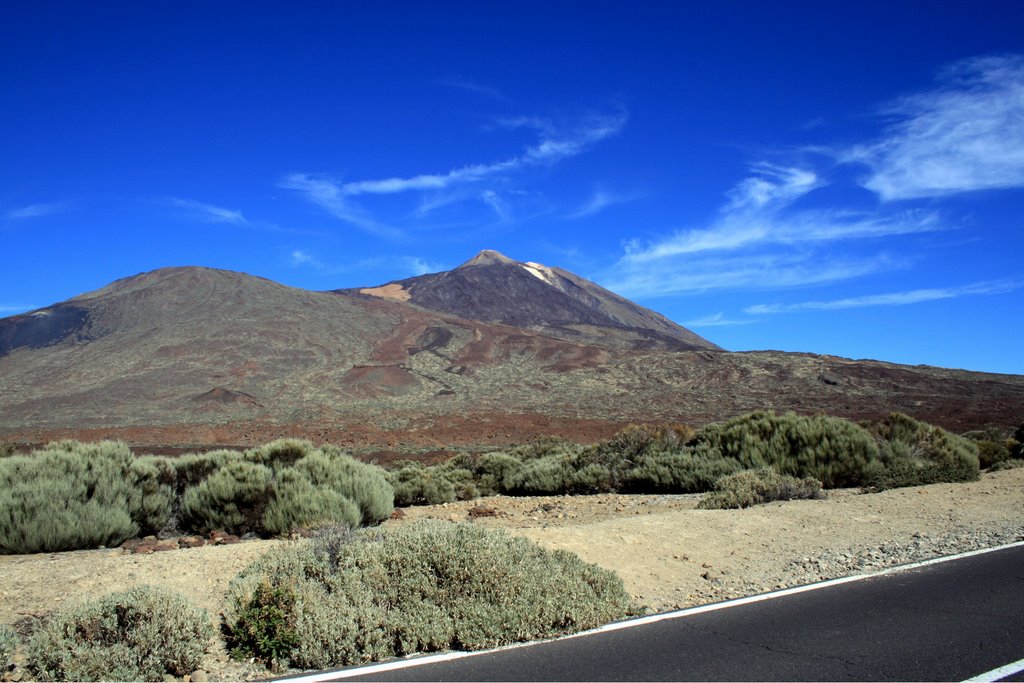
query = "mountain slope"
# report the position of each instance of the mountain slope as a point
(493, 288)
(201, 356)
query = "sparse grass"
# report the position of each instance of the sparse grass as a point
(139, 635)
(344, 599)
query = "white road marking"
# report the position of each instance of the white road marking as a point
(421, 660)
(998, 674)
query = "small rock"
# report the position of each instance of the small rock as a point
(482, 511)
(169, 544)
(399, 513)
(191, 541)
(199, 676)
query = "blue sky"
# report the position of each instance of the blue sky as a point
(842, 178)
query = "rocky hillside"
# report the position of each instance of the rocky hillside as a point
(493, 288)
(202, 356)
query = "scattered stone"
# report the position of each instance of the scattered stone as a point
(399, 513)
(482, 511)
(191, 542)
(168, 544)
(199, 676)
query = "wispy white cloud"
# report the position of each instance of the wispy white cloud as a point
(330, 196)
(35, 211)
(761, 240)
(497, 203)
(600, 200)
(209, 212)
(299, 257)
(422, 266)
(716, 320)
(966, 134)
(555, 143)
(914, 296)
(753, 271)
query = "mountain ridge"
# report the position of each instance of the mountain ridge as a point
(190, 355)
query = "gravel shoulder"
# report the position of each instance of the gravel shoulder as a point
(668, 553)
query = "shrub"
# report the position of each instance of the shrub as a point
(365, 485)
(495, 471)
(153, 482)
(139, 635)
(994, 446)
(636, 441)
(754, 487)
(298, 503)
(71, 495)
(427, 586)
(192, 469)
(280, 454)
(552, 474)
(9, 642)
(232, 499)
(834, 451)
(681, 472)
(414, 484)
(1007, 465)
(914, 453)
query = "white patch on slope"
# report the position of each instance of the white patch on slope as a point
(541, 272)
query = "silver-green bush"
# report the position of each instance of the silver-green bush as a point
(365, 485)
(754, 487)
(141, 634)
(283, 485)
(9, 642)
(298, 503)
(419, 587)
(72, 495)
(835, 451)
(232, 499)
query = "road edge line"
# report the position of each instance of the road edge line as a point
(414, 661)
(998, 674)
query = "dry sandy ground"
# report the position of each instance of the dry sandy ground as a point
(668, 553)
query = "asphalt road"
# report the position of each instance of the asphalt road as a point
(947, 621)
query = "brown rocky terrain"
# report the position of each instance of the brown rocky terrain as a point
(668, 553)
(183, 357)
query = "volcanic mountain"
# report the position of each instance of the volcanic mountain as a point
(493, 352)
(493, 288)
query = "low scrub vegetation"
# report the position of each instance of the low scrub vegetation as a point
(754, 487)
(8, 645)
(72, 495)
(346, 597)
(142, 634)
(915, 453)
(895, 451)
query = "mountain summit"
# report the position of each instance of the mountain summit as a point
(493, 288)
